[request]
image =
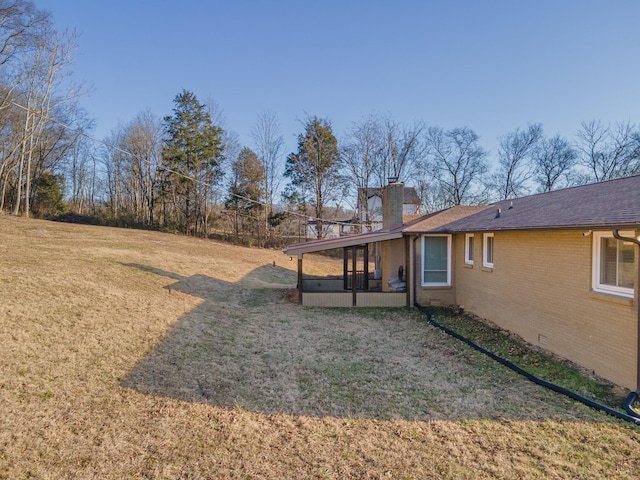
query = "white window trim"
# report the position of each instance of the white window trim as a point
(438, 284)
(595, 267)
(485, 262)
(467, 259)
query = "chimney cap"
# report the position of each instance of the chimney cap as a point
(393, 179)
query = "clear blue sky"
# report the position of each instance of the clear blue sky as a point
(490, 65)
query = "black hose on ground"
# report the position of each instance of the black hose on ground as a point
(631, 398)
(631, 417)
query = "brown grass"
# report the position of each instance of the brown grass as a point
(131, 354)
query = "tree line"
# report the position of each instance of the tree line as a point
(187, 172)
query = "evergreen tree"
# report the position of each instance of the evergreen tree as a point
(245, 191)
(192, 153)
(314, 170)
(49, 198)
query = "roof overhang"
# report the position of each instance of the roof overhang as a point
(300, 249)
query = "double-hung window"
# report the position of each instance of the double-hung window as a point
(487, 250)
(613, 264)
(468, 249)
(436, 260)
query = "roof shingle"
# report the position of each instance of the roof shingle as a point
(615, 203)
(441, 218)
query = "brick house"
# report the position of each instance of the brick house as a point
(547, 267)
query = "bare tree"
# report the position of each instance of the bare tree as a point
(268, 143)
(19, 20)
(81, 175)
(21, 24)
(143, 141)
(401, 150)
(12, 138)
(377, 148)
(608, 152)
(553, 162)
(40, 97)
(112, 159)
(514, 161)
(432, 194)
(362, 152)
(457, 164)
(20, 30)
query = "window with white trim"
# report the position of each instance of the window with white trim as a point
(487, 250)
(436, 260)
(613, 264)
(468, 248)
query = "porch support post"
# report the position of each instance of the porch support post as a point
(300, 279)
(354, 276)
(617, 235)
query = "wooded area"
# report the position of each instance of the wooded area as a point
(187, 172)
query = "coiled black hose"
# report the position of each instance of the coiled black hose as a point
(631, 417)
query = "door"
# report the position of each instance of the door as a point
(356, 267)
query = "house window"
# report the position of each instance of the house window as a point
(468, 249)
(487, 250)
(613, 264)
(436, 260)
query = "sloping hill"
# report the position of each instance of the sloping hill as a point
(133, 354)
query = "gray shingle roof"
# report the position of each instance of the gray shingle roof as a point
(615, 203)
(432, 221)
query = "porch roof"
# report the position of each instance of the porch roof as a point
(299, 249)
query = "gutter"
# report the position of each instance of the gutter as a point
(634, 395)
(536, 228)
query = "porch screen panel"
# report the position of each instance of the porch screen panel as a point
(436, 260)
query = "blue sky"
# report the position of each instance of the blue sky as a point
(490, 65)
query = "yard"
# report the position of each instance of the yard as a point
(132, 354)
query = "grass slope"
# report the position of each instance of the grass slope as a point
(132, 354)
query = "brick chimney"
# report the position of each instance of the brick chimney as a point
(392, 201)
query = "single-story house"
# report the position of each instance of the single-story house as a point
(560, 269)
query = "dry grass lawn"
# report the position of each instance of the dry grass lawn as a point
(132, 354)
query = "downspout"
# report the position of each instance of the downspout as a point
(408, 270)
(300, 278)
(415, 269)
(634, 395)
